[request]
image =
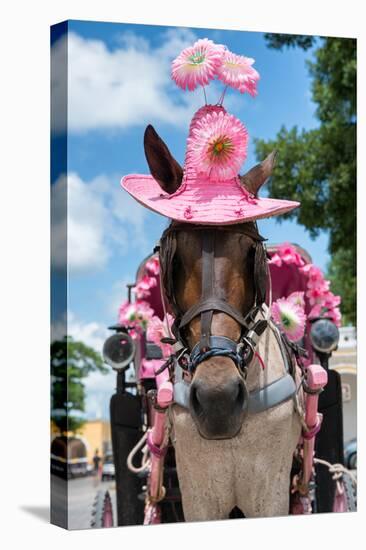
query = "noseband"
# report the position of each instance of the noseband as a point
(242, 351)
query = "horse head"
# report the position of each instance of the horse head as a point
(222, 266)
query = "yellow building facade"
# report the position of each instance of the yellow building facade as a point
(95, 434)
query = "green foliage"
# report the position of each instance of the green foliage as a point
(71, 362)
(277, 41)
(318, 167)
(344, 282)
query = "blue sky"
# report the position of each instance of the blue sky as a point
(118, 78)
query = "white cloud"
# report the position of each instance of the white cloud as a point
(100, 219)
(99, 387)
(92, 334)
(121, 87)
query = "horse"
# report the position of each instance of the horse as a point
(229, 456)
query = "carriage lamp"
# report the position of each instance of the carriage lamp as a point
(119, 350)
(324, 335)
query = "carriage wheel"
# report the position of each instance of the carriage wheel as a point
(102, 513)
(350, 492)
(346, 500)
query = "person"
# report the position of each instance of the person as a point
(96, 460)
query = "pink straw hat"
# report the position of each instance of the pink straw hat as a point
(208, 190)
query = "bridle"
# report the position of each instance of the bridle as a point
(241, 351)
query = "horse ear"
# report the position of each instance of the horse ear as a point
(258, 175)
(163, 167)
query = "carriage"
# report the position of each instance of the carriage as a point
(229, 339)
(147, 485)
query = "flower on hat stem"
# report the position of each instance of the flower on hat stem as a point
(237, 71)
(290, 318)
(197, 64)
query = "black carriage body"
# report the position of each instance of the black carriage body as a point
(329, 441)
(126, 428)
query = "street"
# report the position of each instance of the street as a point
(81, 495)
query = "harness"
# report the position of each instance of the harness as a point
(184, 362)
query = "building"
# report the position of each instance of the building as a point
(95, 434)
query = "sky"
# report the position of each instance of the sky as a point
(118, 79)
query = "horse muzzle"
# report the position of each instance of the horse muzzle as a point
(218, 409)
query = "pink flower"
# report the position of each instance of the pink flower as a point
(140, 293)
(297, 298)
(335, 315)
(275, 260)
(306, 268)
(135, 314)
(315, 277)
(237, 71)
(218, 146)
(315, 295)
(197, 64)
(289, 255)
(147, 282)
(142, 289)
(331, 301)
(290, 318)
(315, 311)
(157, 329)
(153, 266)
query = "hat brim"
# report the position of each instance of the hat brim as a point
(220, 204)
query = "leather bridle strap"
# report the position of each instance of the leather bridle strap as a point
(207, 293)
(214, 304)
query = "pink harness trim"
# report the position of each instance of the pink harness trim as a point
(260, 360)
(309, 434)
(159, 452)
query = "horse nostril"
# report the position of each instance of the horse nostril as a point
(195, 403)
(240, 394)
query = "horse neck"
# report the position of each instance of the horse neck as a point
(268, 364)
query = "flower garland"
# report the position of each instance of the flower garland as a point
(289, 313)
(139, 316)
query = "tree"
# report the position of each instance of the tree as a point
(71, 362)
(318, 166)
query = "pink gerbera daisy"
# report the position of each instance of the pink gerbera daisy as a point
(197, 64)
(237, 71)
(297, 298)
(218, 145)
(290, 318)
